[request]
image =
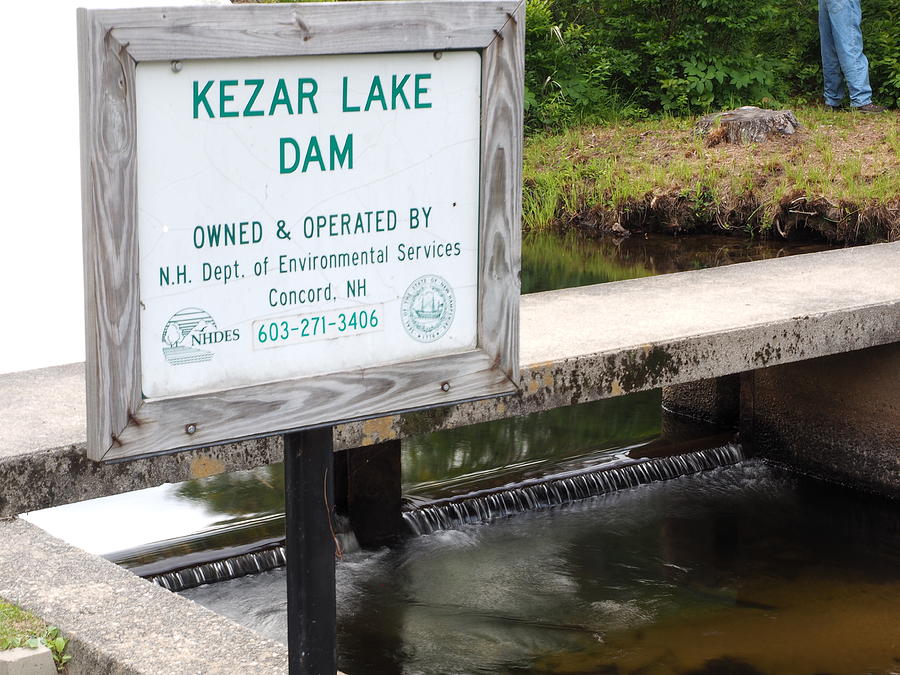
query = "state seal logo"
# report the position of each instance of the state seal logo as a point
(428, 308)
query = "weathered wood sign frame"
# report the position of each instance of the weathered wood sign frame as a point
(121, 422)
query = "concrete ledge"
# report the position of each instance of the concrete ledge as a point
(577, 345)
(119, 623)
(27, 661)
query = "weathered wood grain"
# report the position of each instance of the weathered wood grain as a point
(121, 424)
(109, 217)
(158, 34)
(501, 193)
(294, 404)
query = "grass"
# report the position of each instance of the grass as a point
(840, 176)
(19, 628)
(18, 625)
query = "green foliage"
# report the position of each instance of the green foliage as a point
(588, 61)
(693, 54)
(19, 628)
(16, 623)
(881, 35)
(568, 71)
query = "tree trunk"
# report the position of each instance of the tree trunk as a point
(746, 125)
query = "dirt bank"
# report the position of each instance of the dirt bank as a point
(838, 178)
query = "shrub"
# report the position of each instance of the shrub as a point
(881, 36)
(588, 60)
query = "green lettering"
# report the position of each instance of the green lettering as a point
(213, 235)
(342, 154)
(281, 98)
(200, 97)
(345, 107)
(223, 97)
(313, 154)
(302, 94)
(248, 109)
(397, 91)
(421, 90)
(283, 144)
(376, 93)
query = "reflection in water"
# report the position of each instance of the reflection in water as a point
(484, 455)
(565, 487)
(239, 494)
(550, 262)
(737, 570)
(218, 512)
(742, 569)
(248, 506)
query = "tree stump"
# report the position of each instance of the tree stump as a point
(748, 124)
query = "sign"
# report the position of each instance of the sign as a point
(290, 227)
(301, 215)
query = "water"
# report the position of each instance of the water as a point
(741, 569)
(550, 261)
(738, 569)
(244, 510)
(564, 488)
(182, 564)
(486, 455)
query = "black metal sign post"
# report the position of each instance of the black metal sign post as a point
(309, 507)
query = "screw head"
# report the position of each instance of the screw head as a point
(445, 386)
(176, 66)
(438, 55)
(190, 428)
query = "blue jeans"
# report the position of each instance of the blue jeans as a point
(842, 52)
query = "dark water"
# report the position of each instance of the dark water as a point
(550, 261)
(485, 455)
(564, 487)
(743, 569)
(245, 509)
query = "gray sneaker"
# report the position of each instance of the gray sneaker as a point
(870, 108)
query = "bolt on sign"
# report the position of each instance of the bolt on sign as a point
(296, 215)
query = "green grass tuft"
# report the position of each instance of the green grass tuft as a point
(19, 628)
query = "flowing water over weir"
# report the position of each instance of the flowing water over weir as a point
(477, 507)
(230, 568)
(565, 488)
(729, 568)
(269, 556)
(743, 569)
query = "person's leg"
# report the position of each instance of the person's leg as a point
(831, 66)
(844, 17)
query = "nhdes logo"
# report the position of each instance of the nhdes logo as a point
(190, 335)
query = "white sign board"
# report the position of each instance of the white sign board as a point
(296, 215)
(301, 215)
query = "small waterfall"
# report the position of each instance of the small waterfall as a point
(262, 560)
(550, 491)
(222, 570)
(474, 507)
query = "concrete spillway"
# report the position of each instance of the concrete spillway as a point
(577, 345)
